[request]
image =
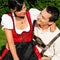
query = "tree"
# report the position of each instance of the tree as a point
(3, 7)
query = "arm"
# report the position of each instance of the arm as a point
(11, 43)
(7, 25)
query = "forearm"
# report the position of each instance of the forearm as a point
(13, 50)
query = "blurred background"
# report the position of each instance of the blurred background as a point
(39, 4)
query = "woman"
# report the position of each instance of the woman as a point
(18, 29)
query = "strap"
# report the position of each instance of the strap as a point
(29, 18)
(47, 46)
(38, 41)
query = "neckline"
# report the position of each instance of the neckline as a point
(26, 29)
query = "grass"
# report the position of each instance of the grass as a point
(2, 39)
(2, 35)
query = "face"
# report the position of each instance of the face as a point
(43, 18)
(22, 12)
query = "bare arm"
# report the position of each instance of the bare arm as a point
(11, 43)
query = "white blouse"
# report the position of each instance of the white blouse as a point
(7, 21)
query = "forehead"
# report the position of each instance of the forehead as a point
(45, 13)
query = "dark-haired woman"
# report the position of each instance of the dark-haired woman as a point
(18, 29)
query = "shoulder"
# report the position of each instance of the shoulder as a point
(57, 30)
(57, 42)
(6, 16)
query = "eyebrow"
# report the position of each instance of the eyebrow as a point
(43, 17)
(41, 14)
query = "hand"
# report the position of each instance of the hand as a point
(53, 27)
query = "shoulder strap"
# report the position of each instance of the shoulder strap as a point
(29, 18)
(51, 42)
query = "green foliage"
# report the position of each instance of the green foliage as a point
(2, 35)
(2, 40)
(58, 23)
(3, 7)
(40, 4)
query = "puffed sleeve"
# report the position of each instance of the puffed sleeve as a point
(6, 22)
(34, 13)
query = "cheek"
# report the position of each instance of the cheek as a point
(18, 13)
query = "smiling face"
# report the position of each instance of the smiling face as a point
(43, 18)
(22, 12)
